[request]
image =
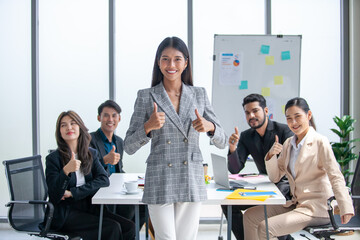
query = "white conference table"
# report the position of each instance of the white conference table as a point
(115, 194)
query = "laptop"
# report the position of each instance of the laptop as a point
(221, 176)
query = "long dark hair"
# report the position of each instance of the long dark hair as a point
(178, 44)
(301, 103)
(83, 152)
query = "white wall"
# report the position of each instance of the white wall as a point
(138, 34)
(355, 69)
(73, 59)
(320, 54)
(15, 85)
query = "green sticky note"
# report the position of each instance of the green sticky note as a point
(285, 55)
(269, 60)
(283, 109)
(265, 92)
(243, 85)
(278, 80)
(265, 49)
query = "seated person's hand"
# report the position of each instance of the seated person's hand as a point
(67, 194)
(346, 218)
(112, 157)
(233, 140)
(275, 149)
(72, 166)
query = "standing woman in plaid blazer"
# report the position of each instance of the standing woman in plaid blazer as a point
(172, 114)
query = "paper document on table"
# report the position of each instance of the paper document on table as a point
(239, 194)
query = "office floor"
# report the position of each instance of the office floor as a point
(206, 232)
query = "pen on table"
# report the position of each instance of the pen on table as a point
(248, 174)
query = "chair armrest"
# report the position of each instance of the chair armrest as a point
(48, 214)
(331, 214)
(26, 202)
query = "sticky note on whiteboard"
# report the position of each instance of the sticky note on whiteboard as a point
(283, 109)
(265, 92)
(285, 55)
(269, 60)
(243, 85)
(265, 49)
(278, 80)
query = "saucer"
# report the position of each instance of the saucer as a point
(132, 192)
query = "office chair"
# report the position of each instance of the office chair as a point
(335, 226)
(29, 209)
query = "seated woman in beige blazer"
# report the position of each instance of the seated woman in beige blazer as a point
(314, 175)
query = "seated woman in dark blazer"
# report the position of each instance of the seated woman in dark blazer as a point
(73, 175)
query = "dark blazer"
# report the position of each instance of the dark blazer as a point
(98, 144)
(251, 143)
(58, 182)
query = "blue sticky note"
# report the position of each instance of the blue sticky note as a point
(265, 49)
(243, 85)
(285, 55)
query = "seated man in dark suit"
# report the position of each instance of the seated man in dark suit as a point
(111, 150)
(256, 142)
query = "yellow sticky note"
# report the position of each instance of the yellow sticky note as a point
(278, 80)
(265, 92)
(269, 60)
(283, 109)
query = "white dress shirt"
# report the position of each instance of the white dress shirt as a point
(294, 153)
(80, 178)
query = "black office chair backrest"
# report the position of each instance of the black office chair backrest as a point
(26, 182)
(355, 186)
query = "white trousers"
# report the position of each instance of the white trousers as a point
(175, 221)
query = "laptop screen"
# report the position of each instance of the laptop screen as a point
(221, 176)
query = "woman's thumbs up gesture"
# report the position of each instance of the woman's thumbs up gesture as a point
(275, 149)
(72, 166)
(156, 120)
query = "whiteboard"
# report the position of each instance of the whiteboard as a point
(245, 64)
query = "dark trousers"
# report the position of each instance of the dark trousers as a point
(128, 212)
(237, 221)
(86, 224)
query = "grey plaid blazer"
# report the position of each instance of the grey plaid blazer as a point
(174, 171)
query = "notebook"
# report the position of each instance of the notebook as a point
(221, 175)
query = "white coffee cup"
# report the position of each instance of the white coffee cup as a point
(131, 186)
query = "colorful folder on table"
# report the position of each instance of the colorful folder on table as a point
(258, 195)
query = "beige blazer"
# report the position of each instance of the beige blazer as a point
(318, 176)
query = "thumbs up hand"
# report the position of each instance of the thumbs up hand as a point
(156, 120)
(275, 149)
(200, 124)
(112, 157)
(72, 166)
(233, 140)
